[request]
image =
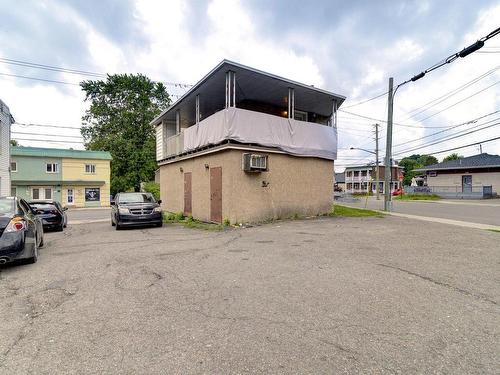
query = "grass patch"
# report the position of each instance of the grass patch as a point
(418, 197)
(362, 194)
(353, 212)
(494, 230)
(189, 222)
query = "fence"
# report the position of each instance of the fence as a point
(456, 191)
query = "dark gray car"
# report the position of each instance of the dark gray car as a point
(135, 209)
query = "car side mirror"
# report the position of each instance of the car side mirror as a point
(159, 201)
(65, 208)
(112, 203)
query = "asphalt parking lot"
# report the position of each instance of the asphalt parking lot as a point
(322, 296)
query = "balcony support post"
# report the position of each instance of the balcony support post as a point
(177, 122)
(230, 89)
(333, 118)
(197, 108)
(291, 103)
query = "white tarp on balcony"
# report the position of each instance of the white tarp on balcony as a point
(292, 136)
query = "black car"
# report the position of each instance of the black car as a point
(135, 209)
(21, 231)
(52, 214)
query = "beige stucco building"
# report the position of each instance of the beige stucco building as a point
(247, 146)
(475, 176)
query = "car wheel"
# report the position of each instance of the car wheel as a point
(159, 225)
(112, 222)
(117, 226)
(41, 242)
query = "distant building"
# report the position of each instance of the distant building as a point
(362, 179)
(340, 181)
(471, 177)
(6, 120)
(73, 177)
(246, 146)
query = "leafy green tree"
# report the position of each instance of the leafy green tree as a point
(118, 120)
(413, 162)
(425, 160)
(453, 156)
(14, 143)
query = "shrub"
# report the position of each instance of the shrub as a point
(153, 188)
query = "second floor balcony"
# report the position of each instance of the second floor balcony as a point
(249, 127)
(238, 104)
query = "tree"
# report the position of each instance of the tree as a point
(118, 121)
(414, 162)
(14, 143)
(453, 156)
(425, 160)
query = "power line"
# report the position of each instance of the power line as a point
(460, 101)
(451, 127)
(48, 135)
(50, 67)
(39, 79)
(395, 123)
(28, 64)
(365, 101)
(446, 139)
(457, 148)
(45, 140)
(48, 126)
(449, 94)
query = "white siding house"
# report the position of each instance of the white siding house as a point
(6, 120)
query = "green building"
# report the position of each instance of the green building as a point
(77, 178)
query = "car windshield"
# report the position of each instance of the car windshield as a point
(43, 206)
(135, 198)
(6, 206)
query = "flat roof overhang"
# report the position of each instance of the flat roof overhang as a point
(251, 84)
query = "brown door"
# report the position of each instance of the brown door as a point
(216, 194)
(188, 195)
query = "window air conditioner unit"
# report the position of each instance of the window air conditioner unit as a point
(254, 163)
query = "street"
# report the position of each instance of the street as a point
(474, 211)
(322, 296)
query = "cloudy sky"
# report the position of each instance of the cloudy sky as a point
(348, 47)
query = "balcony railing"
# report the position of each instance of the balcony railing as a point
(174, 145)
(249, 127)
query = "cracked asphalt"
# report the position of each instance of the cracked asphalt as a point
(322, 296)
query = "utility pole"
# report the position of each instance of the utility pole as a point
(388, 151)
(377, 172)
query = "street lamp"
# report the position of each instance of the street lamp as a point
(376, 162)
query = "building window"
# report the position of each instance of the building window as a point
(48, 193)
(90, 168)
(71, 197)
(300, 115)
(13, 191)
(349, 174)
(52, 168)
(363, 173)
(356, 173)
(13, 166)
(92, 194)
(35, 193)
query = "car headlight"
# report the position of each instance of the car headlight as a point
(123, 211)
(157, 209)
